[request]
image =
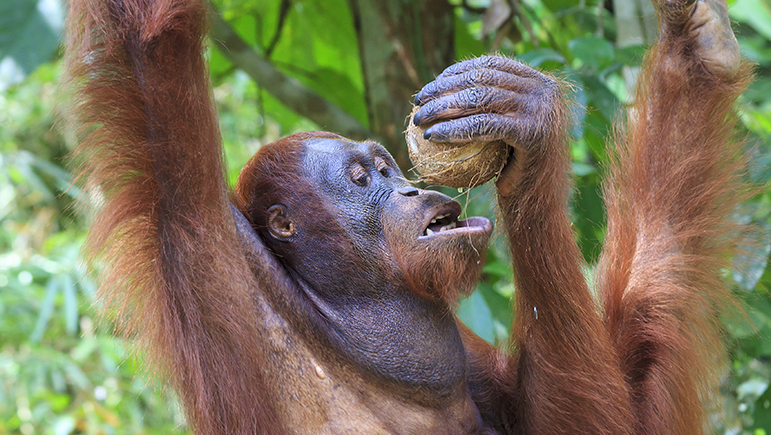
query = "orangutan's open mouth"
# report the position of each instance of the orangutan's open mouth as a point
(445, 222)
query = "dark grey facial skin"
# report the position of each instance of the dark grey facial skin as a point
(345, 267)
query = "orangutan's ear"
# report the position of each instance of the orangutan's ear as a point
(279, 224)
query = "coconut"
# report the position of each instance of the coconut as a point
(467, 164)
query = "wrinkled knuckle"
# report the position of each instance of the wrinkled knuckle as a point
(479, 76)
(431, 112)
(452, 130)
(474, 97)
(438, 132)
(424, 115)
(517, 65)
(476, 126)
(493, 62)
(450, 70)
(487, 75)
(471, 78)
(428, 90)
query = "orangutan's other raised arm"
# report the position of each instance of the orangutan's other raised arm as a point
(673, 189)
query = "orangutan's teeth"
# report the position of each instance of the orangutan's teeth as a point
(447, 227)
(441, 216)
(429, 232)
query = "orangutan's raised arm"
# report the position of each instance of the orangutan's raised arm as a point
(150, 147)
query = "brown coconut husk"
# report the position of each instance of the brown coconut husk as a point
(458, 165)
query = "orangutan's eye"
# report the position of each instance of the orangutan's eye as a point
(383, 168)
(359, 176)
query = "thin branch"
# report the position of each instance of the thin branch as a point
(523, 18)
(527, 10)
(293, 94)
(282, 14)
(600, 32)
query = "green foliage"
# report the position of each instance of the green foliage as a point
(29, 35)
(302, 46)
(60, 374)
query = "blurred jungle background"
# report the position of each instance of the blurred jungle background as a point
(350, 66)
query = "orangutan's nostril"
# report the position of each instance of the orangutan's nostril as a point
(407, 191)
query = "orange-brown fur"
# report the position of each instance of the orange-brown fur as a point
(164, 232)
(674, 185)
(674, 182)
(173, 272)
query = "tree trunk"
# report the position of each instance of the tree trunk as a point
(402, 45)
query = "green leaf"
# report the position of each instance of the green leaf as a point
(499, 305)
(759, 161)
(219, 65)
(600, 96)
(338, 88)
(756, 13)
(466, 45)
(762, 414)
(62, 179)
(59, 402)
(577, 96)
(558, 5)
(759, 90)
(536, 58)
(474, 312)
(499, 269)
(70, 304)
(58, 382)
(751, 388)
(326, 61)
(76, 376)
(29, 34)
(46, 310)
(597, 53)
(24, 165)
(582, 169)
(631, 55)
(758, 319)
(588, 217)
(752, 260)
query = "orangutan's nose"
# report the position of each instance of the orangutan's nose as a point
(407, 191)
